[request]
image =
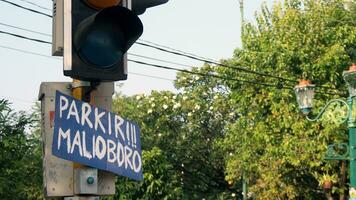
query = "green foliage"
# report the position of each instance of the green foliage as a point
(160, 180)
(20, 156)
(278, 148)
(185, 127)
(197, 142)
(250, 127)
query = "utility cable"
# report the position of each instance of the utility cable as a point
(227, 66)
(46, 42)
(139, 62)
(29, 52)
(34, 4)
(160, 60)
(215, 63)
(209, 75)
(24, 37)
(24, 29)
(149, 76)
(181, 53)
(177, 50)
(59, 59)
(29, 9)
(224, 78)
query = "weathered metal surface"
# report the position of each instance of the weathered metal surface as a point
(58, 173)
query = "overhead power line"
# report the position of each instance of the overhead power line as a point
(233, 67)
(24, 37)
(153, 65)
(210, 75)
(177, 50)
(160, 60)
(59, 59)
(25, 8)
(24, 29)
(225, 78)
(216, 63)
(188, 56)
(29, 52)
(38, 6)
(150, 76)
(158, 66)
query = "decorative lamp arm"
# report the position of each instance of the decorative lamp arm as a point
(312, 119)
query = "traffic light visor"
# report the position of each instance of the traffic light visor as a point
(102, 39)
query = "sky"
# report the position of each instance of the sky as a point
(207, 28)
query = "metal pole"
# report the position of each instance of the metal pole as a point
(242, 14)
(81, 90)
(352, 145)
(244, 185)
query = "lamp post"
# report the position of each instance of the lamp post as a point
(305, 94)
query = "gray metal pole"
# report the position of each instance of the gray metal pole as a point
(244, 185)
(242, 14)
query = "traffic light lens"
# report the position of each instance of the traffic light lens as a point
(101, 48)
(100, 4)
(102, 39)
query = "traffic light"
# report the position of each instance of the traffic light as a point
(139, 6)
(97, 34)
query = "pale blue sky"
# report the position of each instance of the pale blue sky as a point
(204, 27)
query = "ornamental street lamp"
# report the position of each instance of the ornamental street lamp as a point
(305, 94)
(341, 151)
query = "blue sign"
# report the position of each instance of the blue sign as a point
(95, 137)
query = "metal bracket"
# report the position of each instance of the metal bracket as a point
(337, 151)
(78, 84)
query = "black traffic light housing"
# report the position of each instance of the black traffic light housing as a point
(95, 41)
(139, 6)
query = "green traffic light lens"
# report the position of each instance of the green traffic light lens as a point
(102, 39)
(101, 49)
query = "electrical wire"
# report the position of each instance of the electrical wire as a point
(59, 59)
(34, 4)
(209, 75)
(177, 50)
(231, 67)
(177, 53)
(25, 8)
(29, 52)
(160, 60)
(225, 78)
(181, 53)
(215, 63)
(24, 37)
(28, 30)
(149, 76)
(154, 65)
(139, 62)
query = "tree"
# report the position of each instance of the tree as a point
(20, 156)
(281, 152)
(185, 127)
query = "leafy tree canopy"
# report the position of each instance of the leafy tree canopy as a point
(20, 156)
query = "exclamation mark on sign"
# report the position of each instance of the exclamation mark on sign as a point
(128, 133)
(134, 136)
